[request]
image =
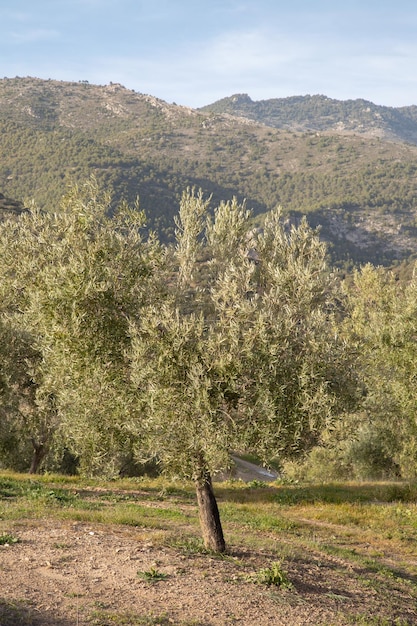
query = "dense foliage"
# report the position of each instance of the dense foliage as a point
(115, 345)
(70, 283)
(105, 331)
(361, 189)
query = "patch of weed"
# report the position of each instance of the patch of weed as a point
(342, 552)
(366, 620)
(257, 517)
(273, 575)
(338, 493)
(339, 597)
(195, 545)
(15, 613)
(9, 488)
(188, 545)
(63, 497)
(108, 618)
(152, 575)
(258, 484)
(7, 540)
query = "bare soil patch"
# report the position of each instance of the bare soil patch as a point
(64, 573)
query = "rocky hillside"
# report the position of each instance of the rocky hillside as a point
(322, 114)
(352, 172)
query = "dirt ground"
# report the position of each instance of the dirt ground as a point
(74, 574)
(66, 573)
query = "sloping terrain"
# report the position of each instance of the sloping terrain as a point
(358, 186)
(323, 114)
(62, 574)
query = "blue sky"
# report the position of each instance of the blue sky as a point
(193, 52)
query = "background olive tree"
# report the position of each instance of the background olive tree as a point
(382, 324)
(71, 282)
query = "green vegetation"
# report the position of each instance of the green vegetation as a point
(7, 540)
(106, 332)
(122, 354)
(273, 575)
(379, 439)
(320, 113)
(360, 188)
(103, 311)
(152, 575)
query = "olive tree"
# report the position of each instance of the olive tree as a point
(382, 324)
(71, 282)
(18, 397)
(242, 353)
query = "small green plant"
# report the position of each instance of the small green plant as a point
(194, 545)
(7, 540)
(273, 575)
(108, 618)
(152, 575)
(257, 484)
(63, 497)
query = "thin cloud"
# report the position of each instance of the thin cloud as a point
(244, 52)
(33, 35)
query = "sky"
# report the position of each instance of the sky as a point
(194, 52)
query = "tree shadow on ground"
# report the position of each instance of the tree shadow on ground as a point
(18, 613)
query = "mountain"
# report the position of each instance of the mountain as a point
(319, 113)
(358, 182)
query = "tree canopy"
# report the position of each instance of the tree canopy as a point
(70, 283)
(232, 340)
(243, 352)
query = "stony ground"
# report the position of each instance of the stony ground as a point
(64, 572)
(70, 573)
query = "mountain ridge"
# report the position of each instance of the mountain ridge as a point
(321, 113)
(359, 187)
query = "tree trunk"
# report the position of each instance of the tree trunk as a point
(210, 523)
(39, 453)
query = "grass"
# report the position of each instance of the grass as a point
(152, 575)
(273, 575)
(366, 532)
(15, 613)
(6, 539)
(82, 500)
(387, 510)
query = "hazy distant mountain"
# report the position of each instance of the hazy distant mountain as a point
(319, 113)
(350, 166)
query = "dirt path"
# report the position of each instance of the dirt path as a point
(248, 471)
